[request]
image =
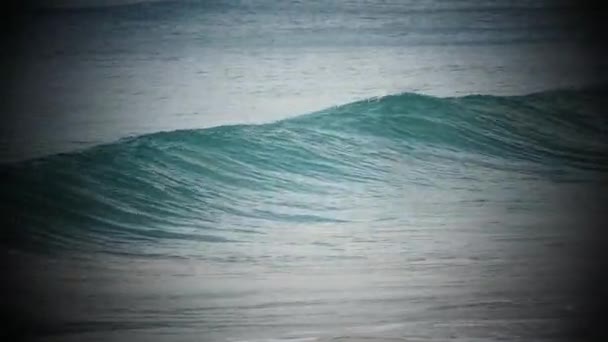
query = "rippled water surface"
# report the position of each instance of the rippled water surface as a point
(175, 192)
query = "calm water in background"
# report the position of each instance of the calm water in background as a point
(93, 76)
(408, 217)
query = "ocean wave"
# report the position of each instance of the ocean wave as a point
(197, 185)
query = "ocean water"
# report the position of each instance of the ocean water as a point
(302, 171)
(86, 76)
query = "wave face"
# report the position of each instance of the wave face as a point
(377, 163)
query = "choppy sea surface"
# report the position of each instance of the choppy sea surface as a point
(302, 171)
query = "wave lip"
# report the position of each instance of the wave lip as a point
(220, 185)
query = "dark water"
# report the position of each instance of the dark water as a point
(174, 191)
(94, 75)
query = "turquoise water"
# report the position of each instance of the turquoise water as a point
(401, 217)
(351, 165)
(301, 171)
